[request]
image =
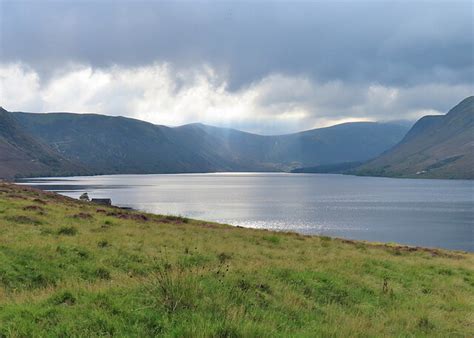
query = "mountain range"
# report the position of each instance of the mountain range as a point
(439, 146)
(119, 145)
(33, 144)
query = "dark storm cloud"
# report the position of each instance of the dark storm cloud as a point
(392, 43)
(263, 66)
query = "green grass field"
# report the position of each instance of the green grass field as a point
(70, 268)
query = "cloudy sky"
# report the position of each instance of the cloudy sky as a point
(262, 66)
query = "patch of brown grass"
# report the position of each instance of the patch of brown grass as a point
(82, 215)
(33, 208)
(39, 201)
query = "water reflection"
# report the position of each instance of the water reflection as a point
(435, 213)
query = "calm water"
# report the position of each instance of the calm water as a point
(432, 213)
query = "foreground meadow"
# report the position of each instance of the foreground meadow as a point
(70, 268)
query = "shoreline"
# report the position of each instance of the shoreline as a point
(65, 263)
(415, 177)
(387, 245)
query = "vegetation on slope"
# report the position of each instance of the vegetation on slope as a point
(435, 147)
(107, 144)
(24, 155)
(70, 268)
(337, 168)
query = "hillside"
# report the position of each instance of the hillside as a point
(435, 147)
(69, 268)
(121, 145)
(337, 168)
(24, 155)
(343, 142)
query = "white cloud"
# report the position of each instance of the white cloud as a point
(162, 94)
(19, 87)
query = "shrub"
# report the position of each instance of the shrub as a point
(425, 324)
(67, 231)
(173, 288)
(23, 220)
(102, 273)
(273, 239)
(223, 257)
(82, 215)
(243, 285)
(176, 219)
(33, 208)
(103, 243)
(64, 298)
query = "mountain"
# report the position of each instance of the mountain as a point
(107, 144)
(435, 147)
(343, 142)
(336, 168)
(23, 155)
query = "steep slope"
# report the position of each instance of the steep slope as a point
(435, 147)
(23, 155)
(121, 145)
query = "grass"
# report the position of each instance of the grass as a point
(70, 268)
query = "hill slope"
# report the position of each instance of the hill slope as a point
(122, 145)
(69, 268)
(23, 155)
(435, 147)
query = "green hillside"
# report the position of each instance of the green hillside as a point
(435, 147)
(69, 268)
(21, 154)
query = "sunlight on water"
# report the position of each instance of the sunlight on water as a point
(434, 213)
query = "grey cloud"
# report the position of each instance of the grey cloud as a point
(275, 104)
(392, 43)
(261, 66)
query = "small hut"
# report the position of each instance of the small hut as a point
(102, 201)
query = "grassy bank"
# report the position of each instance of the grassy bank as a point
(72, 268)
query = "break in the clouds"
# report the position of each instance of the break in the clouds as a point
(269, 67)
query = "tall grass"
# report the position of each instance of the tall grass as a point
(123, 273)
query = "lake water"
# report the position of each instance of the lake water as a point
(431, 213)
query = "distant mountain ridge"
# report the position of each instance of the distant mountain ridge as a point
(435, 147)
(66, 143)
(119, 145)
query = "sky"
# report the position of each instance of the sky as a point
(269, 67)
